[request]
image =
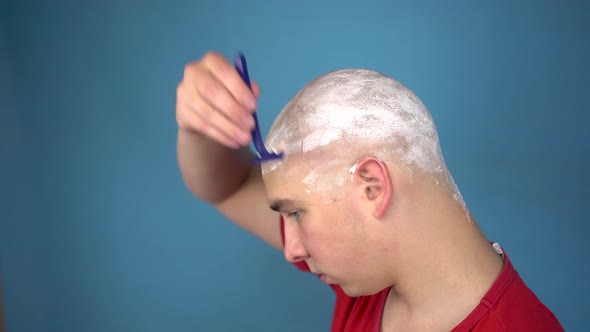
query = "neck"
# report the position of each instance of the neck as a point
(445, 266)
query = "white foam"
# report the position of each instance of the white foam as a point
(346, 114)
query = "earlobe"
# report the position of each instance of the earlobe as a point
(374, 180)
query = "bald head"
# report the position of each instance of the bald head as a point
(346, 115)
(357, 112)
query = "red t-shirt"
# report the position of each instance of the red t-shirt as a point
(509, 305)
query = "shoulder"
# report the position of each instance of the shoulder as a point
(514, 307)
(510, 305)
(520, 309)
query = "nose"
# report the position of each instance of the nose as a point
(294, 249)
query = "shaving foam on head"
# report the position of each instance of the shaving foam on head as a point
(350, 113)
(357, 106)
(323, 178)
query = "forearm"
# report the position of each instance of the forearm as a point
(211, 171)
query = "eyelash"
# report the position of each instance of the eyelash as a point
(294, 214)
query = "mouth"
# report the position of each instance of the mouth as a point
(323, 277)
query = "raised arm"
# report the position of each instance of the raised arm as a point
(214, 115)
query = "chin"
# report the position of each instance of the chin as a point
(359, 291)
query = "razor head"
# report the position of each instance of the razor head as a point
(265, 157)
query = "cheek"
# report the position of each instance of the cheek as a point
(320, 234)
(332, 235)
(353, 235)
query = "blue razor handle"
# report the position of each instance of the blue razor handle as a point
(263, 154)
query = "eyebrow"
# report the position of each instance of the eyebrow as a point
(282, 204)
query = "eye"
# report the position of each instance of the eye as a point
(294, 214)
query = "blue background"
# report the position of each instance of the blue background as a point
(98, 232)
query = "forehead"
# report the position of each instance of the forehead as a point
(285, 181)
(307, 181)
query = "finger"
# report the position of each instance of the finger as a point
(187, 116)
(210, 89)
(212, 117)
(225, 72)
(187, 119)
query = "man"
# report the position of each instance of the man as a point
(363, 196)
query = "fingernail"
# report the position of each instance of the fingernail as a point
(248, 121)
(243, 137)
(250, 102)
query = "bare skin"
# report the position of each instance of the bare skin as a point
(388, 230)
(213, 112)
(379, 235)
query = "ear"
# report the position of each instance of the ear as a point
(374, 180)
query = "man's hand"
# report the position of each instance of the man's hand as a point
(214, 113)
(213, 100)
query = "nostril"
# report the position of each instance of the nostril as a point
(293, 258)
